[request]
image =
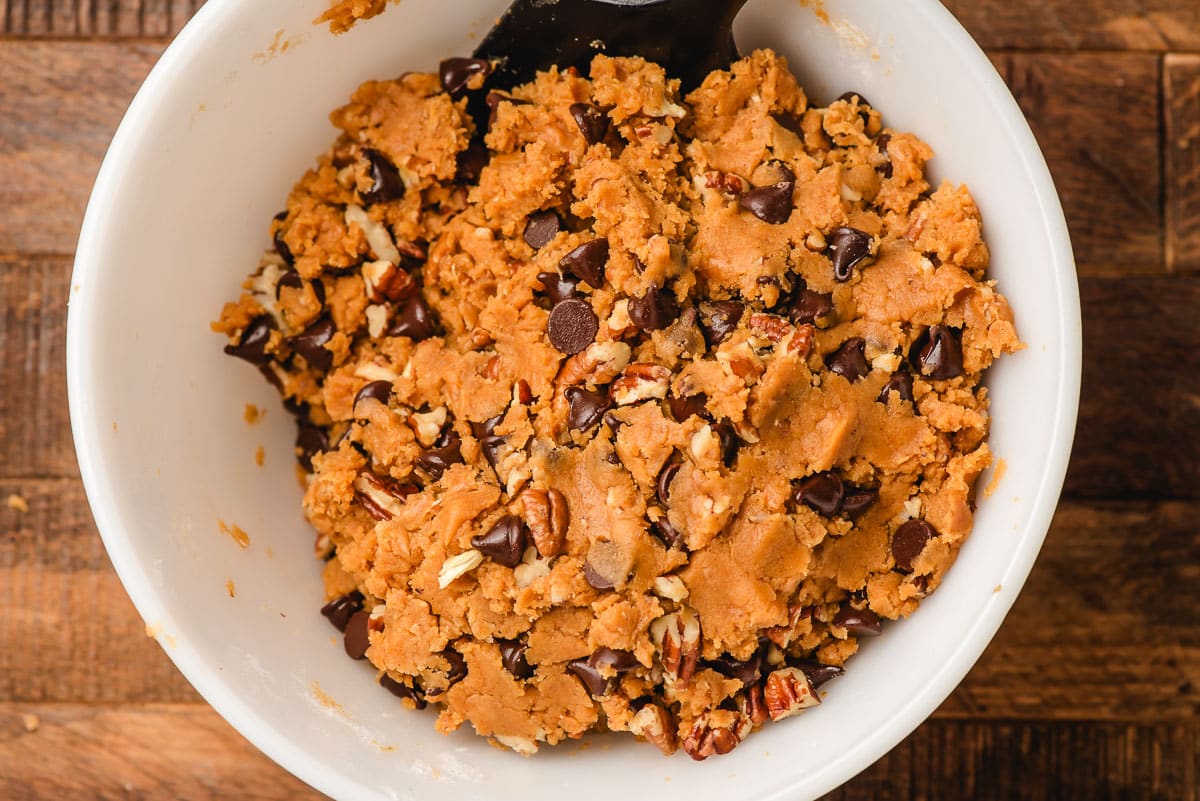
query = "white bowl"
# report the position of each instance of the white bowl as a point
(233, 113)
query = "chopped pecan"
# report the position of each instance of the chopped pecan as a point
(677, 637)
(782, 635)
(639, 382)
(656, 725)
(547, 517)
(802, 341)
(771, 326)
(387, 282)
(726, 182)
(491, 368)
(458, 565)
(715, 732)
(754, 705)
(788, 692)
(380, 499)
(428, 425)
(599, 363)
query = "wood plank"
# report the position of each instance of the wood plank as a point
(68, 632)
(35, 436)
(106, 753)
(1097, 117)
(62, 102)
(1181, 92)
(1155, 25)
(1139, 412)
(107, 18)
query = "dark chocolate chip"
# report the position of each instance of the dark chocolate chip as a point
(663, 529)
(415, 320)
(809, 305)
(340, 610)
(310, 440)
(900, 382)
(586, 262)
(455, 73)
(489, 442)
(847, 247)
(402, 691)
(593, 681)
(772, 203)
(819, 674)
(292, 280)
(386, 183)
(469, 163)
(596, 580)
(821, 492)
(937, 353)
(505, 541)
(857, 500)
(655, 310)
(849, 98)
(572, 325)
(252, 343)
(512, 656)
(585, 409)
(618, 661)
(683, 408)
(850, 360)
(592, 122)
(860, 622)
(310, 343)
(729, 442)
(446, 451)
(379, 390)
(718, 319)
(666, 476)
(557, 288)
(746, 671)
(282, 249)
(908, 542)
(882, 144)
(357, 640)
(540, 228)
(458, 666)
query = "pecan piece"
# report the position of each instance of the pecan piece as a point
(677, 636)
(788, 692)
(387, 282)
(726, 183)
(547, 517)
(770, 326)
(639, 382)
(380, 499)
(656, 725)
(428, 425)
(599, 363)
(715, 732)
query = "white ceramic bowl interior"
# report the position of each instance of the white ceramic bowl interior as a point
(230, 117)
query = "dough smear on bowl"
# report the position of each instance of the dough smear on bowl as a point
(625, 410)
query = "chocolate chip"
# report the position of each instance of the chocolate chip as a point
(446, 451)
(310, 343)
(663, 529)
(456, 73)
(281, 247)
(900, 382)
(557, 288)
(592, 122)
(458, 666)
(882, 144)
(504, 542)
(596, 580)
(585, 409)
(340, 610)
(593, 682)
(850, 360)
(655, 310)
(937, 353)
(909, 541)
(618, 661)
(819, 674)
(860, 622)
(572, 325)
(402, 691)
(808, 306)
(489, 442)
(729, 442)
(310, 440)
(771, 204)
(586, 262)
(469, 163)
(746, 671)
(415, 320)
(252, 343)
(718, 319)
(291, 280)
(512, 656)
(821, 492)
(666, 477)
(540, 228)
(847, 247)
(849, 98)
(357, 640)
(683, 408)
(857, 500)
(386, 183)
(379, 390)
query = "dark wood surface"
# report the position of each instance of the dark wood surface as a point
(1091, 690)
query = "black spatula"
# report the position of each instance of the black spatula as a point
(690, 38)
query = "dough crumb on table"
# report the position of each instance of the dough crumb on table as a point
(625, 410)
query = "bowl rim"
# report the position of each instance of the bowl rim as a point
(271, 738)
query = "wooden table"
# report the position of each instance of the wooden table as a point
(1090, 691)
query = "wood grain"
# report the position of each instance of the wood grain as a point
(1154, 25)
(107, 18)
(1181, 94)
(61, 102)
(1098, 119)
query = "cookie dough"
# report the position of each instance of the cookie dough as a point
(619, 409)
